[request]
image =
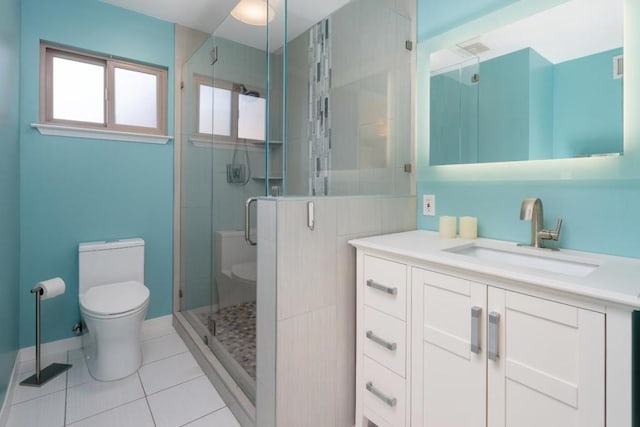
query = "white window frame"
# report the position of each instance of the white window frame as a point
(199, 80)
(49, 51)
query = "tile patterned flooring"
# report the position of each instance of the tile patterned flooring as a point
(169, 390)
(236, 331)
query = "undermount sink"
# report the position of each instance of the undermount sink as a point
(553, 262)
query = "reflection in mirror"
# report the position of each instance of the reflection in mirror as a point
(545, 87)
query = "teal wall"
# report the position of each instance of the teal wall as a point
(9, 187)
(454, 107)
(540, 107)
(504, 108)
(597, 197)
(587, 106)
(75, 190)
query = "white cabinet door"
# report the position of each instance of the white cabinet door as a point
(550, 369)
(454, 377)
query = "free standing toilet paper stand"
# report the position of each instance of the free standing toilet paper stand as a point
(50, 372)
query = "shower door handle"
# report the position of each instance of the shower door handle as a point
(247, 220)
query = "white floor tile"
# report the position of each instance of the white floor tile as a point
(168, 372)
(23, 393)
(221, 418)
(79, 373)
(162, 347)
(134, 414)
(93, 397)
(75, 355)
(184, 403)
(46, 411)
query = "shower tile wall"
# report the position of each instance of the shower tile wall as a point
(369, 101)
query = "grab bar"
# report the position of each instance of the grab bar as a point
(247, 220)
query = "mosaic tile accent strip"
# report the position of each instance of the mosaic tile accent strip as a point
(236, 331)
(319, 126)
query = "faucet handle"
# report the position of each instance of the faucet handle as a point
(551, 234)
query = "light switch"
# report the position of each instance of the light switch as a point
(429, 205)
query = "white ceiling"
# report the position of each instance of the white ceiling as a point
(572, 30)
(212, 16)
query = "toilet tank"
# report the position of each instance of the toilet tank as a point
(111, 261)
(231, 248)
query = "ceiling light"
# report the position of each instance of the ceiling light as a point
(253, 12)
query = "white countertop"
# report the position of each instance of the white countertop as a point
(615, 280)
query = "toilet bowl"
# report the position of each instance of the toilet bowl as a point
(245, 273)
(235, 266)
(113, 304)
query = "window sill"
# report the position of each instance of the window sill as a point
(80, 132)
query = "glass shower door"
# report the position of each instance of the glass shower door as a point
(225, 161)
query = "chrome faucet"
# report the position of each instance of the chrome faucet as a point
(531, 210)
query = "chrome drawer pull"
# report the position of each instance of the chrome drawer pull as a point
(492, 347)
(476, 313)
(386, 344)
(391, 401)
(383, 288)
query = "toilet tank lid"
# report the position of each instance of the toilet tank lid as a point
(110, 244)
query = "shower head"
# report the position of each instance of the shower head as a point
(242, 89)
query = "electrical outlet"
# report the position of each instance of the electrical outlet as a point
(429, 205)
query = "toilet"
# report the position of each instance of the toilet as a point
(235, 267)
(113, 304)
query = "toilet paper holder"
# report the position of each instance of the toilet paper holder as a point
(42, 376)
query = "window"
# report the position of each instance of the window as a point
(229, 111)
(97, 92)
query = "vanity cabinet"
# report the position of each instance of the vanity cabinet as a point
(493, 357)
(444, 343)
(382, 366)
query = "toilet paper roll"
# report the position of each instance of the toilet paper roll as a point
(52, 288)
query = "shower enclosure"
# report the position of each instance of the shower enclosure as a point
(315, 103)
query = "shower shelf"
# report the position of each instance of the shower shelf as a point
(256, 142)
(262, 178)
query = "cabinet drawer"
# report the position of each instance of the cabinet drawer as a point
(385, 340)
(385, 286)
(384, 393)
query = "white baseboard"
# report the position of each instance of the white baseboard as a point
(150, 328)
(29, 353)
(8, 397)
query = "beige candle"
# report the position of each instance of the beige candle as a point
(468, 227)
(448, 227)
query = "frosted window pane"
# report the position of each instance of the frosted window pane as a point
(136, 98)
(205, 110)
(251, 117)
(78, 91)
(218, 100)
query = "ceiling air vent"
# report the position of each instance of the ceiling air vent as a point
(618, 67)
(474, 48)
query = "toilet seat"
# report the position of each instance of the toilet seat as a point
(114, 299)
(245, 271)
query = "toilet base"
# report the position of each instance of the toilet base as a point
(112, 346)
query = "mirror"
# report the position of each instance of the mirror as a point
(545, 87)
